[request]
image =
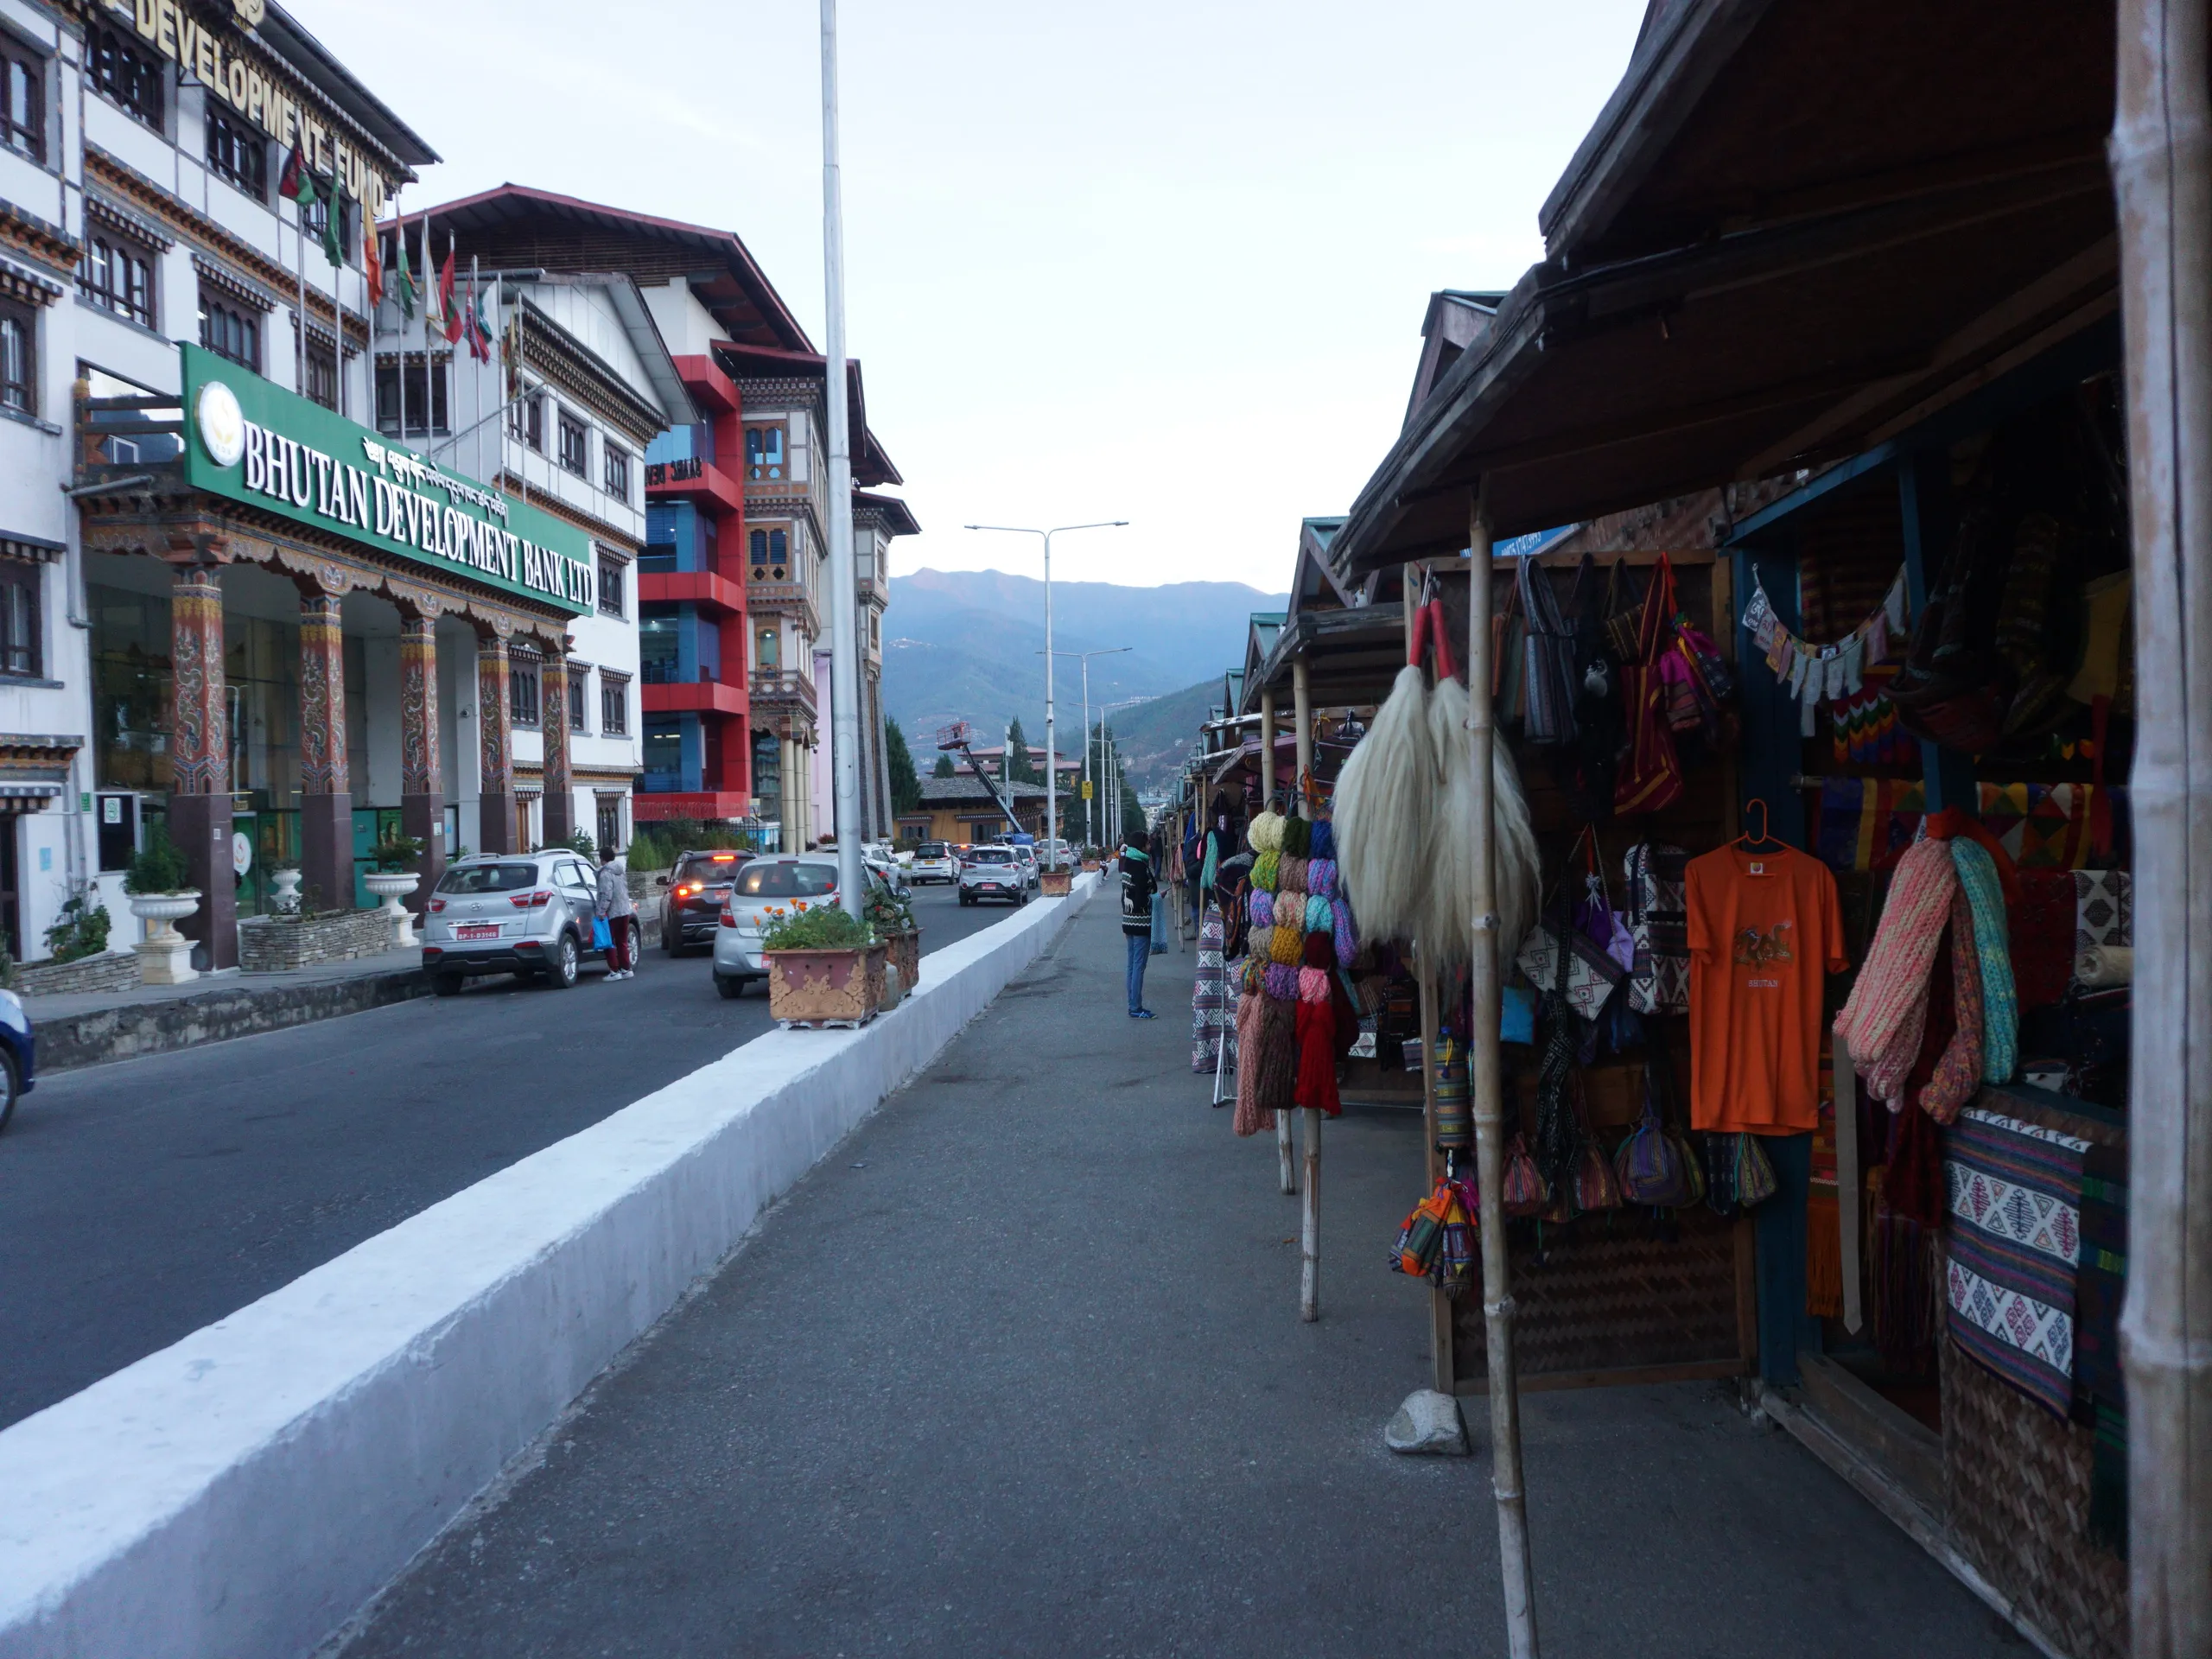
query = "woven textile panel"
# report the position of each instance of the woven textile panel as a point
(1611, 1291)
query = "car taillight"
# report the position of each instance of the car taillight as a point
(436, 905)
(727, 919)
(537, 900)
(687, 890)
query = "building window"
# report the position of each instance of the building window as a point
(578, 674)
(575, 443)
(617, 465)
(767, 650)
(426, 398)
(764, 452)
(613, 705)
(18, 360)
(768, 548)
(228, 329)
(126, 76)
(23, 119)
(526, 421)
(19, 618)
(522, 689)
(610, 824)
(659, 650)
(610, 586)
(235, 152)
(322, 374)
(118, 276)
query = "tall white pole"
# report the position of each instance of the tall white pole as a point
(844, 596)
(1090, 836)
(1051, 772)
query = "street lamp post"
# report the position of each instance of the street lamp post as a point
(1089, 838)
(1052, 774)
(844, 596)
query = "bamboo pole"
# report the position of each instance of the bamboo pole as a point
(1309, 1296)
(1505, 1472)
(1442, 1375)
(2162, 171)
(1285, 1146)
(1301, 708)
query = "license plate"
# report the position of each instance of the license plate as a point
(477, 931)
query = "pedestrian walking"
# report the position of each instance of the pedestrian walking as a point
(615, 908)
(1138, 883)
(1159, 856)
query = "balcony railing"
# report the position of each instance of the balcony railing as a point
(783, 685)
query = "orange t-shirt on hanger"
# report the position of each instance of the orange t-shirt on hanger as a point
(1764, 929)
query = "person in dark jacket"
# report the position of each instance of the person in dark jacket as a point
(1138, 882)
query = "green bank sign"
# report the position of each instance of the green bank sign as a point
(267, 448)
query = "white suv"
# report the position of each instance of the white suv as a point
(933, 862)
(528, 914)
(993, 873)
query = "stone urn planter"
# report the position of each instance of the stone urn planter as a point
(1054, 884)
(818, 989)
(391, 887)
(284, 892)
(165, 955)
(905, 955)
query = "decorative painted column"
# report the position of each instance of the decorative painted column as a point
(326, 788)
(199, 761)
(495, 812)
(422, 771)
(560, 807)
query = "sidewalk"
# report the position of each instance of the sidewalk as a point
(1019, 1370)
(88, 1028)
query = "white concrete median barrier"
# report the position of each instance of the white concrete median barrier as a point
(240, 1493)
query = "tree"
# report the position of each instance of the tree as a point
(905, 788)
(943, 767)
(1020, 768)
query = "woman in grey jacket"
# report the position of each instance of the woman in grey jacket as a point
(620, 916)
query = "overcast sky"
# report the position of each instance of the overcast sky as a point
(1164, 260)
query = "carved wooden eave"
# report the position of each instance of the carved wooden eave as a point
(186, 527)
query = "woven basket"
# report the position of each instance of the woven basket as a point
(1612, 1291)
(2016, 1482)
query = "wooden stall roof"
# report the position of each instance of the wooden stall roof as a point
(1350, 658)
(1945, 213)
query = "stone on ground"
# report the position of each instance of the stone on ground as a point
(1428, 1422)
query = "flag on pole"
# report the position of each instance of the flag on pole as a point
(403, 277)
(480, 323)
(433, 319)
(298, 182)
(372, 261)
(447, 310)
(334, 222)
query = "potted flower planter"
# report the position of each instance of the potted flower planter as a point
(284, 896)
(165, 955)
(1054, 884)
(391, 887)
(905, 955)
(816, 988)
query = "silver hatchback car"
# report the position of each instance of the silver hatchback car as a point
(776, 879)
(528, 914)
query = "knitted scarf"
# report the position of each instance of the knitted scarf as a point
(1958, 1070)
(1979, 879)
(1882, 1022)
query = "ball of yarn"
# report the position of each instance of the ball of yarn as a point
(1252, 977)
(1260, 907)
(1325, 842)
(1266, 832)
(1285, 945)
(1280, 983)
(1297, 837)
(1259, 943)
(1320, 950)
(1312, 985)
(1293, 869)
(1347, 936)
(1318, 920)
(1265, 871)
(1321, 877)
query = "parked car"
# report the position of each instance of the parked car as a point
(528, 914)
(887, 868)
(993, 873)
(1026, 852)
(774, 879)
(696, 887)
(934, 862)
(18, 1069)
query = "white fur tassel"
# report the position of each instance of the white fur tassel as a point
(1519, 866)
(1385, 812)
(1448, 913)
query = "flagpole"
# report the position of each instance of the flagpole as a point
(399, 252)
(300, 343)
(475, 373)
(335, 207)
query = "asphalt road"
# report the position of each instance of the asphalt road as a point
(1019, 1370)
(142, 1200)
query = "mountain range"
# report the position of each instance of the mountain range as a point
(966, 645)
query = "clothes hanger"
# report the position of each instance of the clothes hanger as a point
(1762, 838)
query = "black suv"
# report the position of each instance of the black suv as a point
(696, 887)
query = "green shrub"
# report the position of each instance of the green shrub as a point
(802, 926)
(396, 852)
(583, 843)
(82, 930)
(158, 867)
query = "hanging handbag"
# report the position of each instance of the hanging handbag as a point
(1589, 975)
(1509, 635)
(1525, 1193)
(1650, 775)
(1455, 1262)
(1422, 1237)
(1755, 1179)
(1649, 1163)
(1658, 926)
(1624, 621)
(1548, 659)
